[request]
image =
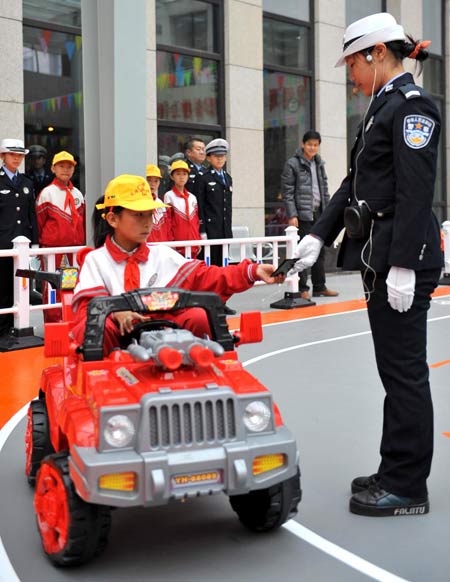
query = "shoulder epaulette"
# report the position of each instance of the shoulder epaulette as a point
(411, 91)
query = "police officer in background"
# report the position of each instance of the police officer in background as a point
(194, 153)
(37, 172)
(392, 237)
(17, 217)
(214, 196)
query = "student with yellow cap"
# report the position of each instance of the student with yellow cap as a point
(60, 210)
(161, 231)
(124, 261)
(184, 219)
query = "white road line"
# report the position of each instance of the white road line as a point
(340, 554)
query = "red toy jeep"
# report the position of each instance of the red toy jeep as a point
(167, 416)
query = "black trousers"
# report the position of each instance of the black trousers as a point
(400, 342)
(6, 293)
(318, 269)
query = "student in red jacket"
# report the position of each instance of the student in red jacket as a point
(60, 210)
(185, 224)
(125, 262)
(161, 231)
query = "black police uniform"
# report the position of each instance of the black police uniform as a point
(393, 168)
(214, 209)
(17, 217)
(195, 175)
(40, 181)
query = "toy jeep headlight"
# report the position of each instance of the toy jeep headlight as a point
(118, 431)
(257, 416)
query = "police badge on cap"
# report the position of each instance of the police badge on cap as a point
(417, 131)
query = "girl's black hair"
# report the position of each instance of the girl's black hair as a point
(100, 225)
(401, 49)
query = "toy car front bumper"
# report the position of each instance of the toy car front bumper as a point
(163, 475)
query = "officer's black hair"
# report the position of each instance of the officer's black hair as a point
(311, 134)
(100, 225)
(190, 142)
(401, 49)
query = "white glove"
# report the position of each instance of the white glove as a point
(400, 284)
(307, 252)
(203, 236)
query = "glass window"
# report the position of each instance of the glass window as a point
(53, 101)
(298, 9)
(67, 12)
(432, 25)
(187, 23)
(287, 115)
(355, 9)
(286, 44)
(187, 88)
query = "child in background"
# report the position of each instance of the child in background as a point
(125, 262)
(161, 230)
(60, 210)
(184, 218)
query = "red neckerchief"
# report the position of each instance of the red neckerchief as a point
(185, 195)
(70, 201)
(132, 276)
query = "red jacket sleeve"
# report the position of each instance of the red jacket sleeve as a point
(225, 281)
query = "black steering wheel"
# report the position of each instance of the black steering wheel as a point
(149, 325)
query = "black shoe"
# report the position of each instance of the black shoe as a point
(229, 311)
(363, 483)
(376, 502)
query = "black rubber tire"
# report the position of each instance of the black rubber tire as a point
(267, 509)
(40, 443)
(88, 523)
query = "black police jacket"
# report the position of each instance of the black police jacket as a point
(194, 177)
(17, 212)
(215, 204)
(393, 166)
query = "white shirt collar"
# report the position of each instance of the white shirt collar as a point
(389, 83)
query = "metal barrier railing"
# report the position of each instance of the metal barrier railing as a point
(22, 253)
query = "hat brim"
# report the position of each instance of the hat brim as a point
(221, 152)
(13, 151)
(73, 162)
(136, 205)
(388, 34)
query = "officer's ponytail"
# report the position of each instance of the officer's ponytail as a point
(409, 48)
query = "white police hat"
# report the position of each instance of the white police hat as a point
(367, 32)
(217, 146)
(15, 146)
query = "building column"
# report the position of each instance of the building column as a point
(447, 100)
(244, 104)
(331, 89)
(114, 92)
(11, 65)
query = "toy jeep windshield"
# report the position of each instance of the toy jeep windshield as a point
(114, 431)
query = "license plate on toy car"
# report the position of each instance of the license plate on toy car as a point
(186, 480)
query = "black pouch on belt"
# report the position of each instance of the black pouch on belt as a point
(357, 220)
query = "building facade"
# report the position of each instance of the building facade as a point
(120, 88)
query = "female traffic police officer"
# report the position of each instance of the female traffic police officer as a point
(392, 236)
(17, 217)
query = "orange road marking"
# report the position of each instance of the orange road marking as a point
(439, 364)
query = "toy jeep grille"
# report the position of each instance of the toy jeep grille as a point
(192, 422)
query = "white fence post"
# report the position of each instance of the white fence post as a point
(291, 245)
(446, 232)
(21, 284)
